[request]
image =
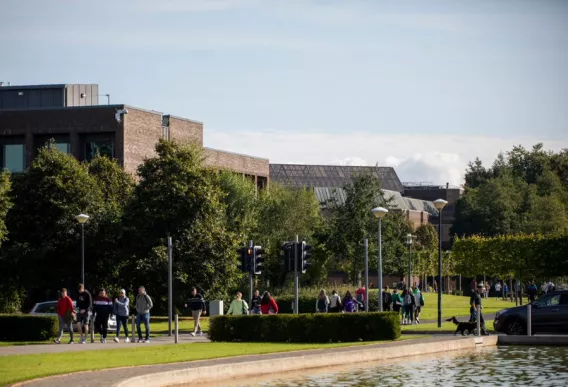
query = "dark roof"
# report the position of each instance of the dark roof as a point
(299, 175)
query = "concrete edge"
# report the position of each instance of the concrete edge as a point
(553, 341)
(301, 362)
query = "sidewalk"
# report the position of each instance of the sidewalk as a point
(97, 345)
(110, 377)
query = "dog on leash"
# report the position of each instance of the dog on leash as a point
(463, 326)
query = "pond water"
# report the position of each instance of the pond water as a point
(488, 366)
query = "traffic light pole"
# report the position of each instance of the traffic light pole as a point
(366, 275)
(251, 264)
(296, 278)
(170, 285)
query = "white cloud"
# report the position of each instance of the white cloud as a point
(416, 158)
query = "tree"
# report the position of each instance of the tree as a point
(5, 203)
(177, 196)
(242, 207)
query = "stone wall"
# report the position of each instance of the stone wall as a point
(142, 130)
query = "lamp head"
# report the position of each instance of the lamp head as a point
(379, 212)
(408, 239)
(82, 218)
(440, 204)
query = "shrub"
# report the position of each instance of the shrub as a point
(27, 327)
(306, 328)
(10, 300)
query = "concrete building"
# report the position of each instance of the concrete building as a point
(71, 116)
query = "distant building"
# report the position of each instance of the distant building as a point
(30, 116)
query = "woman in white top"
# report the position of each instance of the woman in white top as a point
(238, 306)
(334, 302)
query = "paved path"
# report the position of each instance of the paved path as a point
(110, 344)
(109, 377)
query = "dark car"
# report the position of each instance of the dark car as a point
(549, 315)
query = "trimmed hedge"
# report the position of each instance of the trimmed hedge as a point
(306, 328)
(25, 327)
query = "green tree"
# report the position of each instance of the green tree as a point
(241, 202)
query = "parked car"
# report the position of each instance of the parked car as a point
(48, 309)
(549, 314)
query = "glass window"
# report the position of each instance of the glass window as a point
(63, 147)
(549, 301)
(14, 157)
(104, 148)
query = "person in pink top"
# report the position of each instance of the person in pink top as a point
(268, 305)
(65, 314)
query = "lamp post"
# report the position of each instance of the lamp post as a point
(440, 204)
(82, 219)
(408, 242)
(379, 213)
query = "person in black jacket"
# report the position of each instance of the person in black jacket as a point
(387, 299)
(103, 309)
(197, 306)
(255, 303)
(85, 308)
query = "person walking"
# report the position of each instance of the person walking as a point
(387, 299)
(419, 303)
(396, 301)
(121, 311)
(143, 306)
(103, 309)
(334, 302)
(238, 306)
(360, 295)
(409, 304)
(532, 291)
(268, 305)
(85, 308)
(65, 315)
(322, 302)
(475, 308)
(349, 303)
(498, 288)
(198, 308)
(255, 303)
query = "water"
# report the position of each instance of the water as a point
(489, 366)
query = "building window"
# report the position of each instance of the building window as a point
(63, 147)
(166, 133)
(104, 148)
(14, 158)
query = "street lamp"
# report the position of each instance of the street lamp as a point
(379, 213)
(440, 204)
(82, 219)
(408, 242)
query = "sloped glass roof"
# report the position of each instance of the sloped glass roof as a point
(301, 175)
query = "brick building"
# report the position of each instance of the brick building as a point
(69, 114)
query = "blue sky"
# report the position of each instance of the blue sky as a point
(424, 86)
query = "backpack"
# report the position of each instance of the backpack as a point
(421, 299)
(408, 299)
(349, 305)
(321, 304)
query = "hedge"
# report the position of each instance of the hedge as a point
(24, 327)
(306, 328)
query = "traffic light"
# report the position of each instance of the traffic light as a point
(288, 255)
(258, 260)
(243, 259)
(304, 255)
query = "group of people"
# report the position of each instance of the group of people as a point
(335, 304)
(409, 303)
(97, 310)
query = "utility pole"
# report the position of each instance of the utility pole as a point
(170, 285)
(366, 275)
(251, 266)
(296, 277)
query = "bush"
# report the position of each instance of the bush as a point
(27, 327)
(306, 328)
(10, 300)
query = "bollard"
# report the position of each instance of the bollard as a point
(92, 328)
(176, 337)
(133, 328)
(478, 320)
(529, 320)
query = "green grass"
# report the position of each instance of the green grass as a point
(446, 327)
(457, 306)
(23, 367)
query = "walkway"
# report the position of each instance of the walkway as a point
(108, 378)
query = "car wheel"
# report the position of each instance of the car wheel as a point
(516, 327)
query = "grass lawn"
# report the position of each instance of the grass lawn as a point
(24, 367)
(457, 306)
(446, 326)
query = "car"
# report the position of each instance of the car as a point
(48, 309)
(549, 314)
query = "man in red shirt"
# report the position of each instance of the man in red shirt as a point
(65, 314)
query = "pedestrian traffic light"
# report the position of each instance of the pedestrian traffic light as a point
(288, 255)
(245, 255)
(305, 255)
(258, 259)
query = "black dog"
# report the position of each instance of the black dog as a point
(463, 326)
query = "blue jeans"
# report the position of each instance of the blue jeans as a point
(146, 318)
(121, 320)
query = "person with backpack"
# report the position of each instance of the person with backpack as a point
(349, 304)
(238, 306)
(387, 300)
(334, 302)
(143, 305)
(322, 302)
(396, 301)
(419, 300)
(121, 311)
(408, 306)
(65, 315)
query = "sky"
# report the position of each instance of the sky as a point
(425, 86)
